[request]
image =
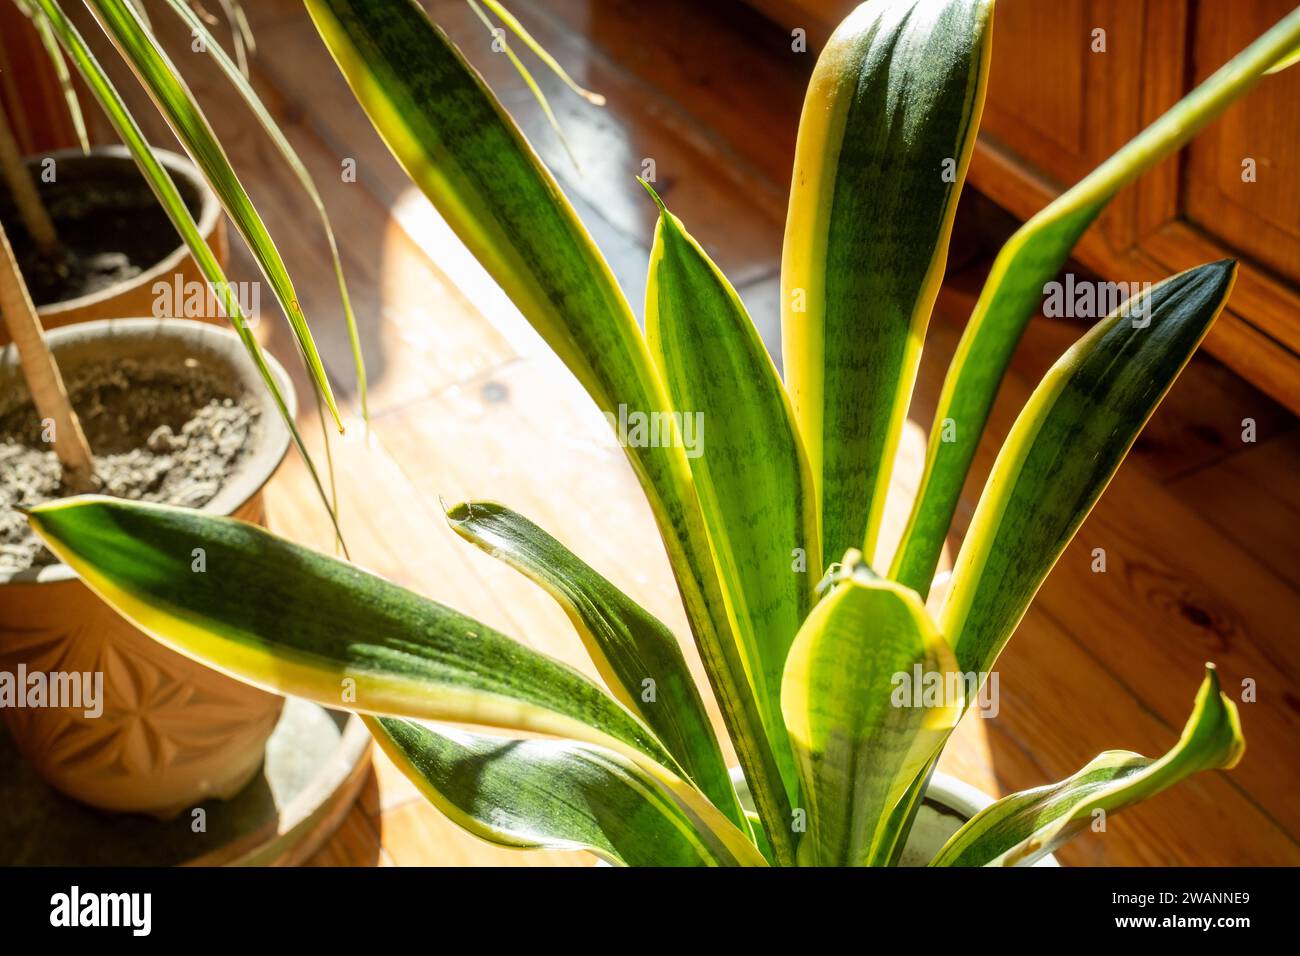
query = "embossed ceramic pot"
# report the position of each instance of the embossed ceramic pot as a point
(172, 732)
(103, 167)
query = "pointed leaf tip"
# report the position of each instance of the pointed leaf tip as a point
(653, 195)
(1221, 270)
(464, 511)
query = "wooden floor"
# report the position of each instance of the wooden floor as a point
(1201, 530)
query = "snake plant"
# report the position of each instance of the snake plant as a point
(770, 524)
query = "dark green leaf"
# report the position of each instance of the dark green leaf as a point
(559, 795)
(628, 644)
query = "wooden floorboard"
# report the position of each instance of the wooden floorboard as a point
(1254, 498)
(1177, 592)
(1200, 526)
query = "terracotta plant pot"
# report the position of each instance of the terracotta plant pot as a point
(107, 165)
(173, 732)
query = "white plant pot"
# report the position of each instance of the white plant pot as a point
(949, 803)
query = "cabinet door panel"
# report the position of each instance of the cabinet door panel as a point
(1259, 218)
(1065, 83)
(1036, 80)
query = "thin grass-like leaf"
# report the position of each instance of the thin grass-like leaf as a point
(499, 37)
(241, 34)
(517, 28)
(169, 198)
(163, 82)
(239, 80)
(50, 44)
(142, 12)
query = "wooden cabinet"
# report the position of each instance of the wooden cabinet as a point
(1262, 218)
(1073, 80)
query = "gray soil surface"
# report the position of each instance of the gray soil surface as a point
(110, 230)
(164, 433)
(71, 273)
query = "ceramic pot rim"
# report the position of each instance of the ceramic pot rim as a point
(968, 800)
(957, 795)
(180, 168)
(202, 339)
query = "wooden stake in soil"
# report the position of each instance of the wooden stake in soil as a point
(42, 374)
(39, 225)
